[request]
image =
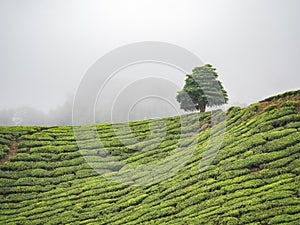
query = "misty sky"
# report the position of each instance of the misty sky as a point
(46, 46)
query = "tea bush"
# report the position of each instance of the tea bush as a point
(253, 179)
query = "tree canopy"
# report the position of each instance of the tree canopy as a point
(202, 89)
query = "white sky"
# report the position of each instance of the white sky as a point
(46, 46)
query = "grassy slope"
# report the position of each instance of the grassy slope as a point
(254, 179)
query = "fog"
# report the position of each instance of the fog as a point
(47, 46)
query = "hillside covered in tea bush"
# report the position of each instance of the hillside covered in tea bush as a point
(254, 178)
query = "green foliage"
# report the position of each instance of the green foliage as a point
(286, 95)
(202, 89)
(3, 150)
(290, 104)
(254, 178)
(270, 107)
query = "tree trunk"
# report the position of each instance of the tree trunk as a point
(202, 107)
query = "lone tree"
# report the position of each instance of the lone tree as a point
(202, 89)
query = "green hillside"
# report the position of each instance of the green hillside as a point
(254, 178)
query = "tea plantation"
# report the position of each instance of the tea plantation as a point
(253, 179)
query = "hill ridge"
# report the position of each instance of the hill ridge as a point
(254, 178)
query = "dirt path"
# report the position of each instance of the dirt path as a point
(13, 149)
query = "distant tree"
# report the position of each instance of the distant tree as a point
(6, 117)
(202, 89)
(28, 116)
